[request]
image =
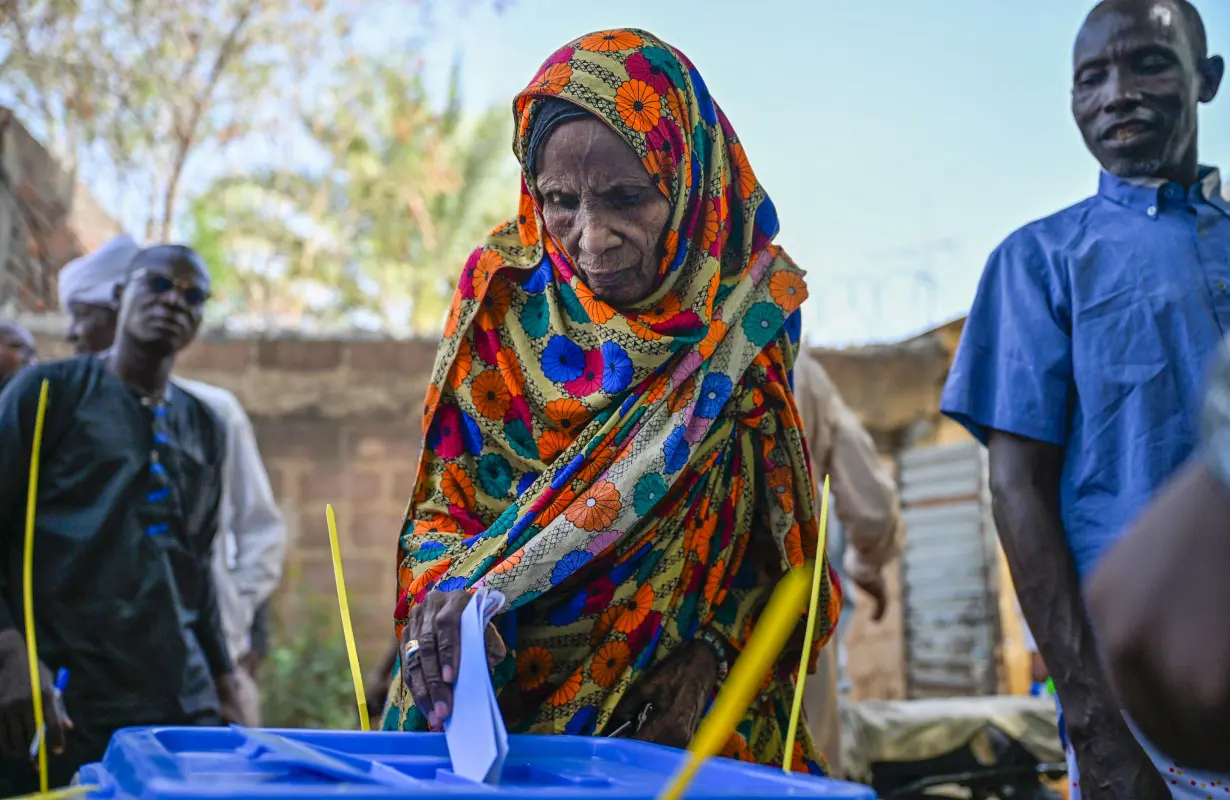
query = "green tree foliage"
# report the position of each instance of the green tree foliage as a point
(305, 681)
(143, 90)
(144, 86)
(374, 234)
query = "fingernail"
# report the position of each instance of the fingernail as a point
(447, 673)
(441, 710)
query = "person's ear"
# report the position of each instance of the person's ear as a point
(1211, 73)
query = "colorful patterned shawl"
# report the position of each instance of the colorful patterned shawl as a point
(624, 477)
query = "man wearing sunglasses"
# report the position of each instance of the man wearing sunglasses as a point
(251, 544)
(127, 511)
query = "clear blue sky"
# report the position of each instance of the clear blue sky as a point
(879, 127)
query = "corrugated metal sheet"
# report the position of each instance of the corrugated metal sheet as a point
(951, 613)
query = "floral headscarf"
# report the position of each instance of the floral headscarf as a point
(604, 468)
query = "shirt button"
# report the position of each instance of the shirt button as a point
(1221, 286)
(1152, 211)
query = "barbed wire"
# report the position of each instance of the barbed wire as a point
(880, 305)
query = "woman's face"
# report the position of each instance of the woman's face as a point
(601, 206)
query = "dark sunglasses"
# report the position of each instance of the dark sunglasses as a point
(158, 283)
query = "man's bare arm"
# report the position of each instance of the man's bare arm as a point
(1025, 501)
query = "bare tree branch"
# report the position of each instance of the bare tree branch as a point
(187, 135)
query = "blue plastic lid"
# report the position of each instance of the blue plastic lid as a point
(245, 764)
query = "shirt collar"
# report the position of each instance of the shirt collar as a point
(168, 397)
(1150, 194)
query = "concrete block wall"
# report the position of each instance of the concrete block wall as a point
(337, 422)
(46, 220)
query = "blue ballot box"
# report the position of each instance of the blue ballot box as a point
(248, 764)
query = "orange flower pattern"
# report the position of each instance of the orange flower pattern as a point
(508, 563)
(457, 487)
(745, 180)
(485, 270)
(559, 503)
(491, 396)
(527, 222)
(461, 367)
(430, 404)
(567, 690)
(533, 667)
(495, 304)
(510, 370)
(553, 79)
(636, 610)
(638, 105)
(598, 311)
(551, 444)
(609, 41)
(454, 317)
(604, 467)
(596, 508)
(567, 415)
(788, 291)
(661, 311)
(609, 662)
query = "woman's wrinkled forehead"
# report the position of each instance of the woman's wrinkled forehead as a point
(552, 113)
(643, 88)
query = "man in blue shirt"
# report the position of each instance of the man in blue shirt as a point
(1084, 355)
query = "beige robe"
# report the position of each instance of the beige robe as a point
(864, 498)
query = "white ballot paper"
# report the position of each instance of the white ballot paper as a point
(476, 736)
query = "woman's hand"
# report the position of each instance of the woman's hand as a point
(679, 687)
(431, 652)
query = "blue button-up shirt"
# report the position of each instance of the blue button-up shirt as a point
(1093, 329)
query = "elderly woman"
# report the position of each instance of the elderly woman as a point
(611, 439)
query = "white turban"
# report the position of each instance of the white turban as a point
(92, 278)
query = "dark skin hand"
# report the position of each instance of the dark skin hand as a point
(1167, 659)
(1140, 71)
(430, 672)
(877, 590)
(16, 701)
(1038, 672)
(678, 688)
(228, 696)
(1025, 500)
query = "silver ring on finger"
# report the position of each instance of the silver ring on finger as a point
(412, 647)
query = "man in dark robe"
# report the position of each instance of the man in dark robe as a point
(127, 509)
